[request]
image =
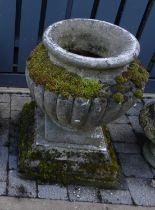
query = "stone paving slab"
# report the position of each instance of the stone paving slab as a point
(15, 114)
(13, 150)
(4, 132)
(134, 111)
(5, 98)
(4, 110)
(141, 191)
(127, 148)
(3, 163)
(122, 133)
(153, 171)
(5, 106)
(134, 120)
(135, 166)
(13, 162)
(54, 192)
(123, 119)
(3, 188)
(17, 101)
(116, 197)
(13, 138)
(81, 193)
(127, 138)
(19, 187)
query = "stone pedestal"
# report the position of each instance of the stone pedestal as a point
(64, 156)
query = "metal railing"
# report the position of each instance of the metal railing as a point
(22, 23)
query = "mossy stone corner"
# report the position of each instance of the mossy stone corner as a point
(61, 164)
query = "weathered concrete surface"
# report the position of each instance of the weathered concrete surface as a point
(8, 203)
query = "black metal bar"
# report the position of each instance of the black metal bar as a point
(17, 32)
(42, 18)
(18, 18)
(151, 63)
(15, 59)
(94, 9)
(144, 18)
(120, 12)
(69, 9)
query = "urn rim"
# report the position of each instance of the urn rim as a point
(123, 58)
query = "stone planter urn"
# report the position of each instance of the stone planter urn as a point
(83, 76)
(147, 121)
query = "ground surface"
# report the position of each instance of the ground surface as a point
(8, 203)
(137, 182)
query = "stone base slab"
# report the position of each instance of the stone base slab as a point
(65, 163)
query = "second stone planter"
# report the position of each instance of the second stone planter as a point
(147, 121)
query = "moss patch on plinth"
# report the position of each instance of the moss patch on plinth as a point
(64, 167)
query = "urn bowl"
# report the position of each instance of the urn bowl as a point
(94, 50)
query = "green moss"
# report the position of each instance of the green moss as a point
(121, 88)
(118, 97)
(137, 76)
(120, 80)
(57, 79)
(136, 73)
(26, 131)
(114, 166)
(138, 93)
(49, 166)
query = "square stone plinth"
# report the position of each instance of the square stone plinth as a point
(50, 158)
